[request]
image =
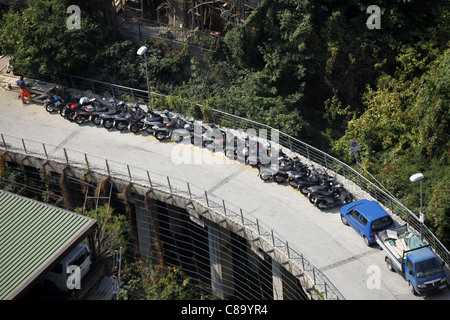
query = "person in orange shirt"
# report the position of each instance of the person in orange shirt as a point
(23, 90)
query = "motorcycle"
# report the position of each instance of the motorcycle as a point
(122, 120)
(146, 123)
(325, 189)
(95, 114)
(107, 118)
(176, 129)
(236, 148)
(258, 153)
(69, 111)
(296, 165)
(56, 103)
(266, 172)
(285, 170)
(336, 196)
(300, 181)
(211, 138)
(85, 113)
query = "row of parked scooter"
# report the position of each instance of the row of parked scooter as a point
(112, 114)
(322, 190)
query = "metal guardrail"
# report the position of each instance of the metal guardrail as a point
(325, 160)
(295, 145)
(177, 186)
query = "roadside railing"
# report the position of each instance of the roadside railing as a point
(172, 185)
(293, 144)
(325, 160)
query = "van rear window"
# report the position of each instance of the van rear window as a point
(381, 223)
(80, 258)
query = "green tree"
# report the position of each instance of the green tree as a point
(40, 42)
(405, 130)
(143, 280)
(112, 229)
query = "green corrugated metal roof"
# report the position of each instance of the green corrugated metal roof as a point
(32, 235)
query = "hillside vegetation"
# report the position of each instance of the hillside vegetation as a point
(313, 69)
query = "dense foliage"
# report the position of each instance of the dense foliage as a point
(311, 68)
(146, 281)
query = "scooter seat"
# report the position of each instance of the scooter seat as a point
(296, 174)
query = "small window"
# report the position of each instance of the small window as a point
(409, 265)
(354, 214)
(363, 220)
(80, 258)
(381, 223)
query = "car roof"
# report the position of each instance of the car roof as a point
(371, 209)
(421, 254)
(74, 252)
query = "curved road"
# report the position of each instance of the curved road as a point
(359, 272)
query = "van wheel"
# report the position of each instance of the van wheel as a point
(389, 264)
(344, 221)
(411, 288)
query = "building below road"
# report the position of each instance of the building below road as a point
(34, 236)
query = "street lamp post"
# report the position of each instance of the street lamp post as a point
(414, 178)
(141, 51)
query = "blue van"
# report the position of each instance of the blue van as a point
(366, 217)
(424, 272)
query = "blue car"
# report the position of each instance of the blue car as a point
(366, 217)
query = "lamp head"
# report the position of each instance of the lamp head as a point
(142, 50)
(416, 177)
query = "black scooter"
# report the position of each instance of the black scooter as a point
(266, 172)
(95, 115)
(302, 182)
(55, 102)
(176, 130)
(325, 189)
(211, 137)
(69, 111)
(86, 113)
(336, 196)
(146, 123)
(236, 148)
(107, 118)
(122, 120)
